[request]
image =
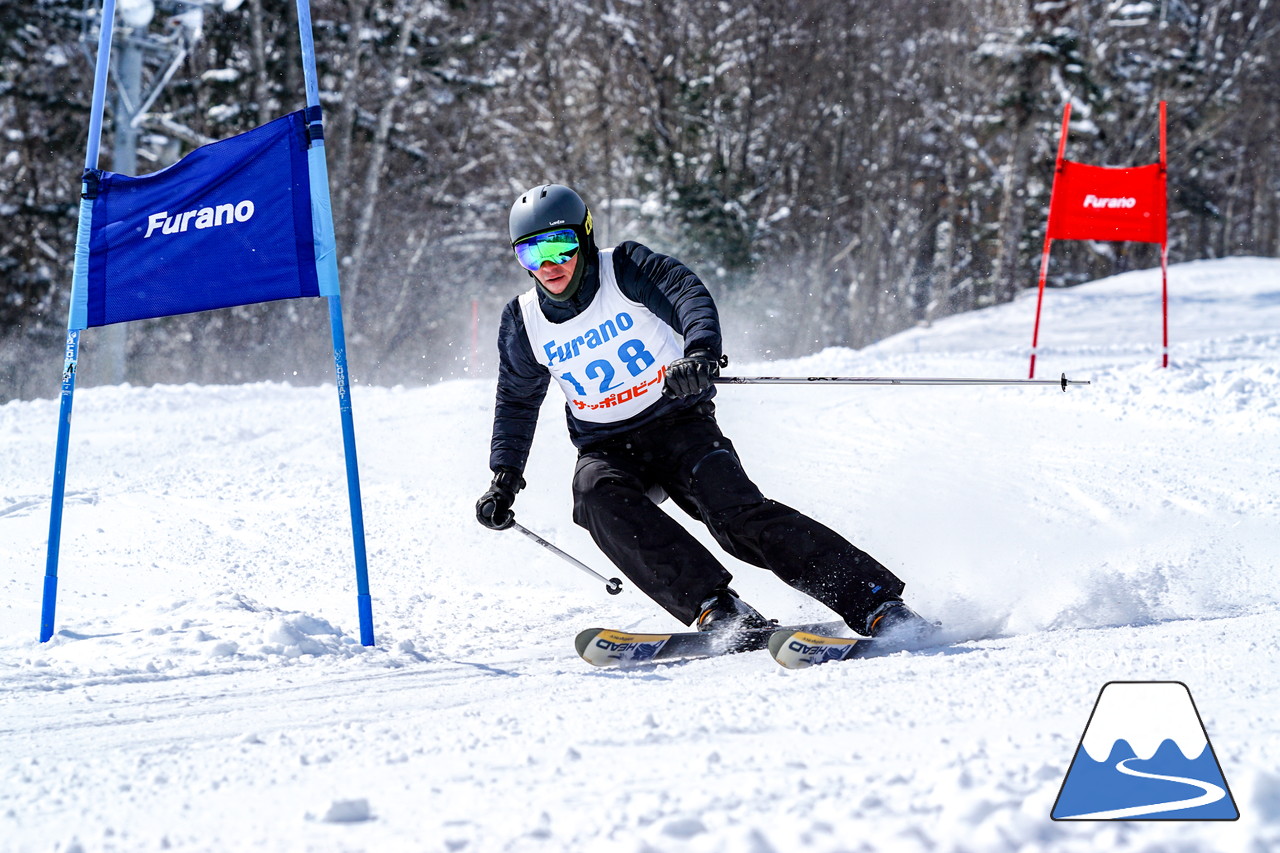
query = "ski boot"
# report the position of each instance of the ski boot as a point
(895, 624)
(724, 613)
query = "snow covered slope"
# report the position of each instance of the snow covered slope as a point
(206, 689)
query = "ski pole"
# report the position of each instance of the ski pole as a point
(887, 380)
(612, 585)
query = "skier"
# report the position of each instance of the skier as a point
(604, 323)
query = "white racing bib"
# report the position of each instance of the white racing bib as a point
(610, 361)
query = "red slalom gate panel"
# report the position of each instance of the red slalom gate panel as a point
(1102, 203)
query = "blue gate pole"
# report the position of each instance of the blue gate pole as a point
(327, 275)
(75, 324)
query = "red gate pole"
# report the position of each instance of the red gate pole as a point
(1164, 242)
(1048, 241)
(1035, 334)
(1164, 282)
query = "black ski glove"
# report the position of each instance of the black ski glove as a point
(691, 375)
(493, 510)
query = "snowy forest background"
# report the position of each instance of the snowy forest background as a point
(836, 172)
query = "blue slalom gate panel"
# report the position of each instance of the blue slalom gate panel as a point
(229, 224)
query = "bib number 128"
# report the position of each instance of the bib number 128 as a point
(633, 356)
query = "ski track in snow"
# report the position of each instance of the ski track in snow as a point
(206, 689)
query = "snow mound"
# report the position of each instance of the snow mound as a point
(224, 631)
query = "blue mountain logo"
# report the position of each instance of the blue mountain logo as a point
(1145, 755)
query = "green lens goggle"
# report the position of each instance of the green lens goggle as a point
(554, 246)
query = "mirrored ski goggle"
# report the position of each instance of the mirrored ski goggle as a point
(555, 246)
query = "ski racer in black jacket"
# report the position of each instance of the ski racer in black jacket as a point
(604, 325)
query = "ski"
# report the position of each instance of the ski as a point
(801, 649)
(805, 647)
(606, 647)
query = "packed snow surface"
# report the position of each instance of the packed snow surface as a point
(206, 689)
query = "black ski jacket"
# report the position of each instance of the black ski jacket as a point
(662, 284)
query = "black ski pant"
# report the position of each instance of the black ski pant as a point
(686, 456)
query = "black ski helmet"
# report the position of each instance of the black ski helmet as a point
(548, 207)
